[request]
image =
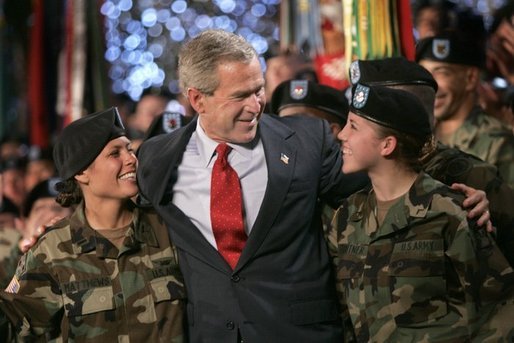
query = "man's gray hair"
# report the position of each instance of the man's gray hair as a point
(200, 57)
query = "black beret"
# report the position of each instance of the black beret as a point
(81, 141)
(166, 122)
(393, 108)
(311, 94)
(452, 47)
(44, 189)
(390, 71)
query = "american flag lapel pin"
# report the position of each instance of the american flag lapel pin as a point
(284, 158)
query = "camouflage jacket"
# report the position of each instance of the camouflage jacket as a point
(424, 275)
(75, 286)
(9, 254)
(450, 165)
(487, 138)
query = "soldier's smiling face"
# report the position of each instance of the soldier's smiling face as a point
(453, 86)
(112, 175)
(360, 145)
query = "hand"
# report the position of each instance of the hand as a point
(31, 238)
(476, 204)
(500, 52)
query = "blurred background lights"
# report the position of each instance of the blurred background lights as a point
(144, 36)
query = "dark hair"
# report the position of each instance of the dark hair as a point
(409, 148)
(69, 193)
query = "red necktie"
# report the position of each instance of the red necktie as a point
(227, 208)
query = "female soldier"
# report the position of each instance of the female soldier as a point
(410, 266)
(108, 272)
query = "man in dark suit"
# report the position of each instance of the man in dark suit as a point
(269, 279)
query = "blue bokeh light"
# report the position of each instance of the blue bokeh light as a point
(144, 36)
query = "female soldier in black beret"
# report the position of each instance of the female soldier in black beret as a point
(107, 273)
(410, 264)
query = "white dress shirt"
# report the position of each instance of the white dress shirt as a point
(192, 191)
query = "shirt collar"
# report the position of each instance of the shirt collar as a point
(206, 146)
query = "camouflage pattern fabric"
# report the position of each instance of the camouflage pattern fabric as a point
(450, 165)
(76, 286)
(487, 138)
(425, 275)
(9, 254)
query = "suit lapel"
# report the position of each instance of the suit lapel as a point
(185, 235)
(280, 152)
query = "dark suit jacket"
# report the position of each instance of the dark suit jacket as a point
(282, 289)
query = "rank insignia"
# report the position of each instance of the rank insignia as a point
(299, 89)
(360, 97)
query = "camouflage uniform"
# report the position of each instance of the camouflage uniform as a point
(9, 254)
(450, 165)
(424, 275)
(74, 285)
(488, 139)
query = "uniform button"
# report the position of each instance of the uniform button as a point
(161, 289)
(102, 299)
(235, 278)
(230, 325)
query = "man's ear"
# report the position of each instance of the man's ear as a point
(196, 99)
(388, 145)
(472, 78)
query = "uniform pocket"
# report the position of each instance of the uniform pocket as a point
(167, 288)
(166, 280)
(89, 301)
(352, 258)
(418, 282)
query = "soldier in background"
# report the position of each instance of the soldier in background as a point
(410, 264)
(455, 63)
(309, 98)
(107, 273)
(445, 164)
(285, 66)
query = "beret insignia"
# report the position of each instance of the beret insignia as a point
(360, 96)
(355, 72)
(441, 48)
(171, 121)
(299, 89)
